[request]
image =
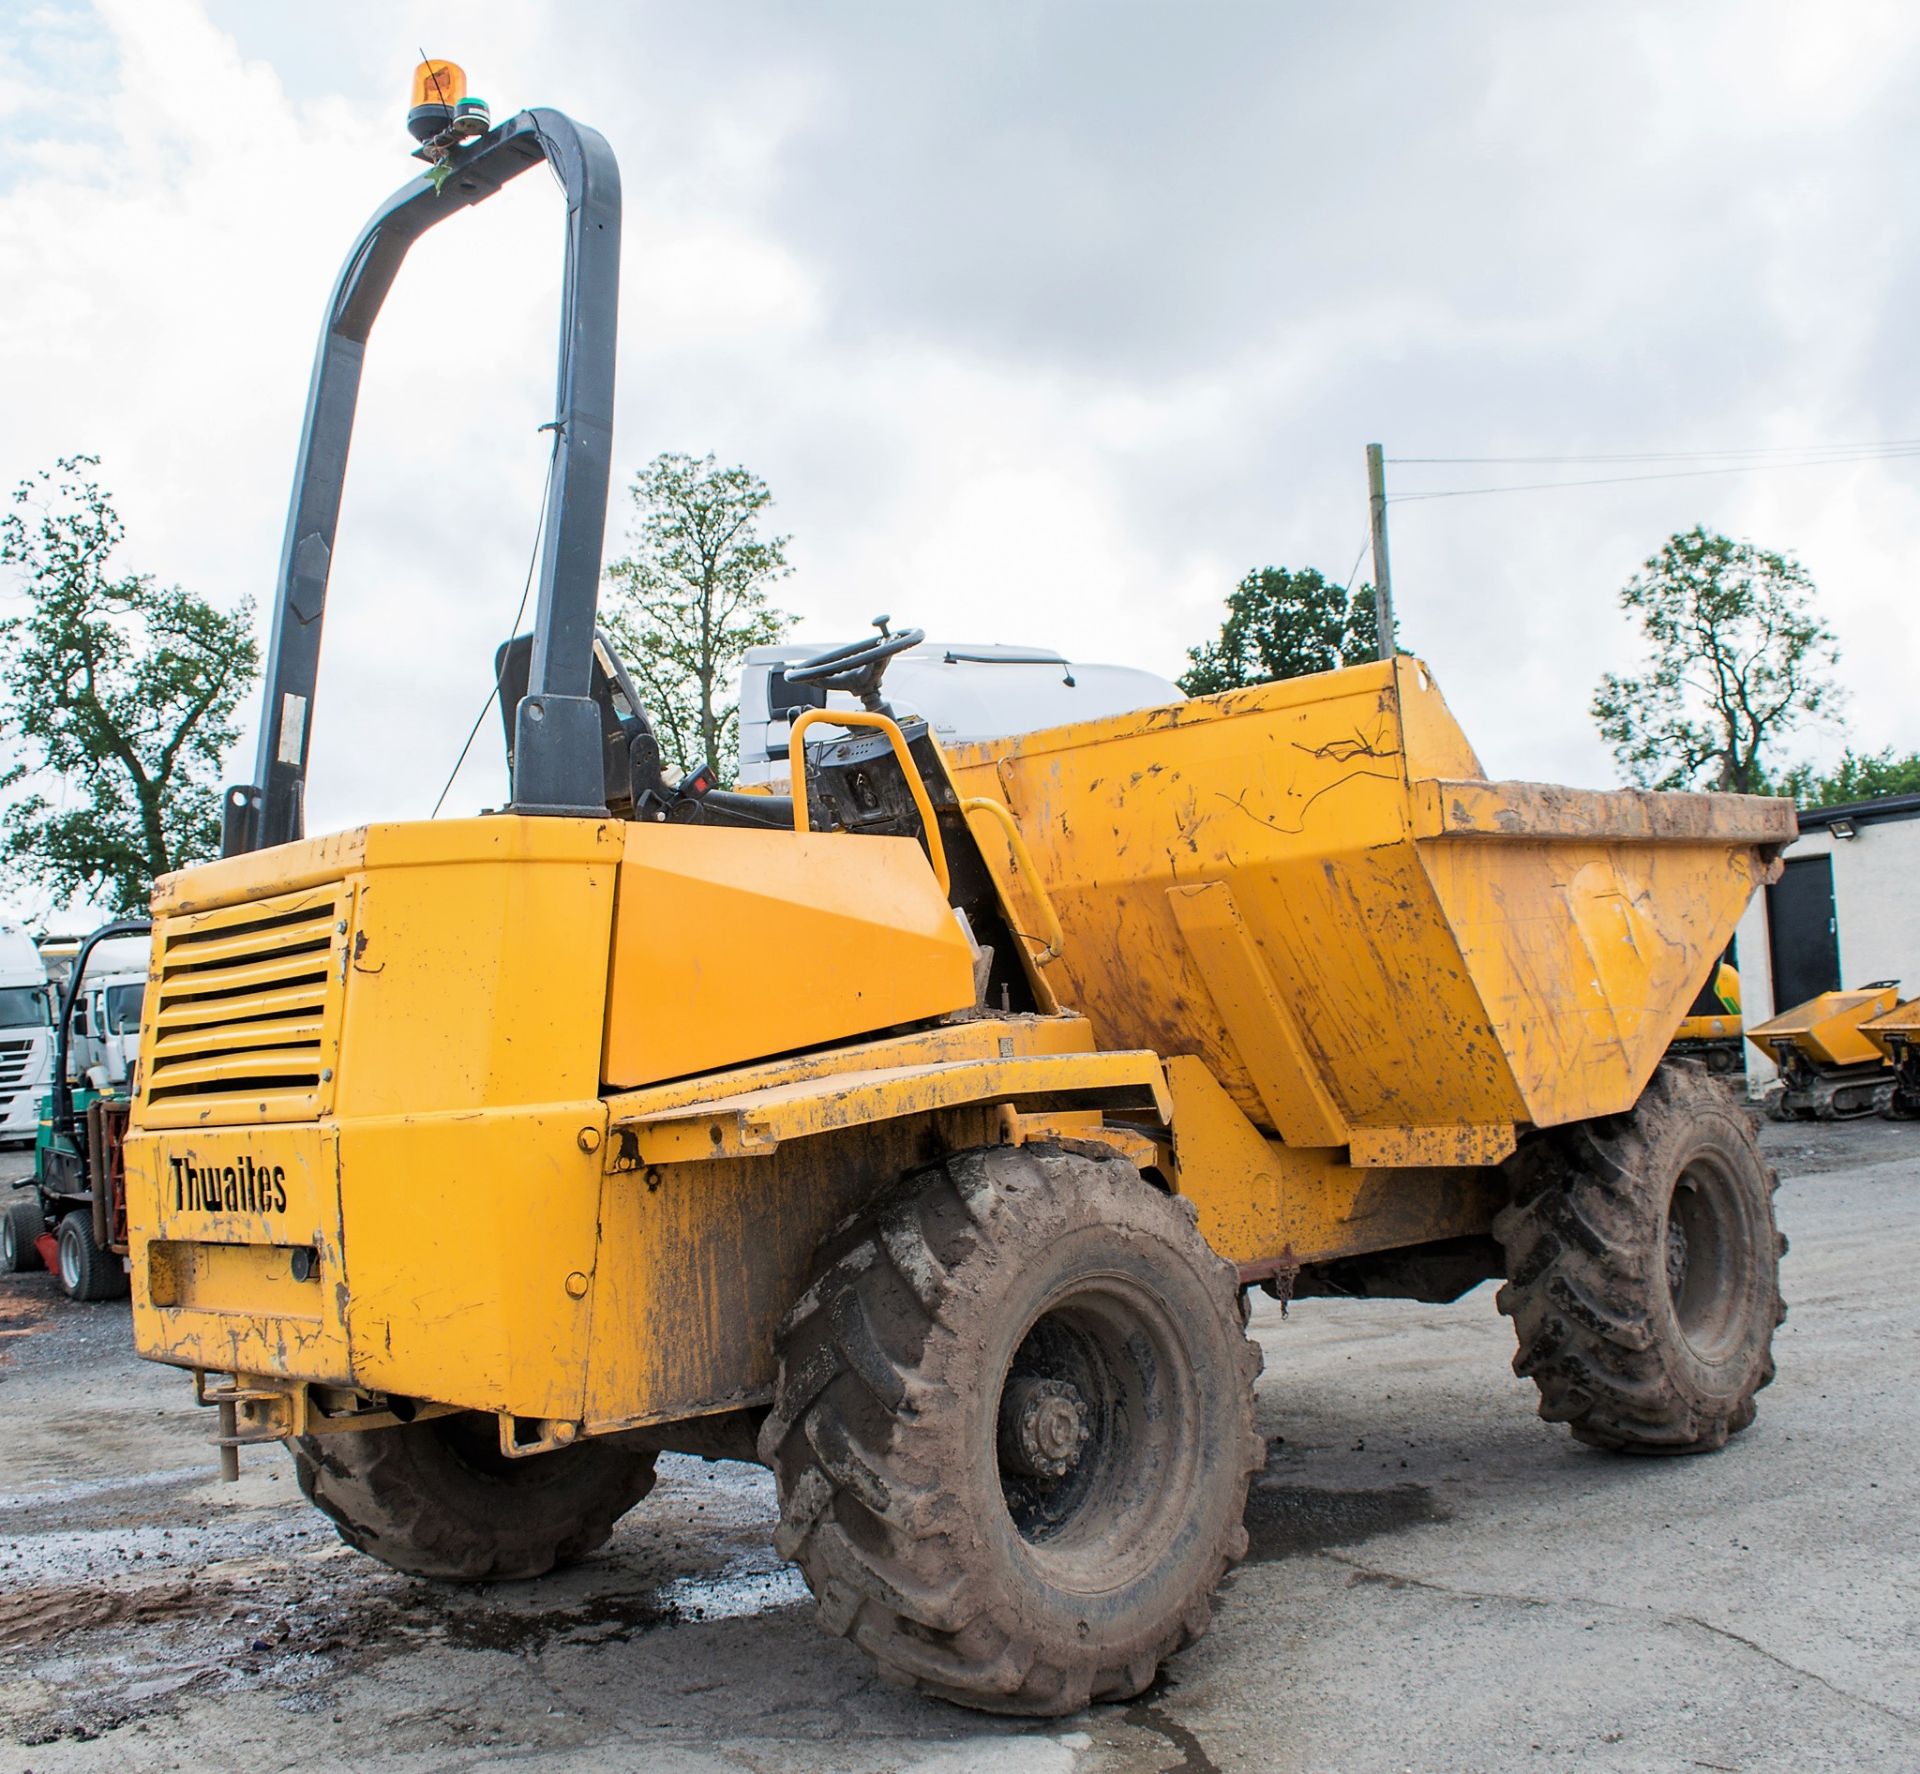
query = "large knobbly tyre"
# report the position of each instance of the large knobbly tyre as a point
(1013, 1430)
(438, 1498)
(1644, 1270)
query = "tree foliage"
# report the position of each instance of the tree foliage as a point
(1282, 624)
(1859, 776)
(1737, 661)
(118, 696)
(691, 596)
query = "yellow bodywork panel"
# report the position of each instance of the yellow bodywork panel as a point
(1308, 887)
(464, 1233)
(1268, 1207)
(732, 944)
(458, 964)
(215, 1219)
(1828, 1028)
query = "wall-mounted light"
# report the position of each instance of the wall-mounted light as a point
(1842, 829)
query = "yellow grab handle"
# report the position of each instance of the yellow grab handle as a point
(1023, 864)
(856, 717)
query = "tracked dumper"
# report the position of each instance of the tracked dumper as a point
(921, 1135)
(1834, 1065)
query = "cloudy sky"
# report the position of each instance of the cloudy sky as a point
(1043, 321)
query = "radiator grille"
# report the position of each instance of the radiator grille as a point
(14, 1058)
(243, 1017)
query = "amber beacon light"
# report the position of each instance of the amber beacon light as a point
(438, 87)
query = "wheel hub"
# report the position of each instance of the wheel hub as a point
(1043, 1426)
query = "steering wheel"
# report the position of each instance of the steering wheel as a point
(857, 667)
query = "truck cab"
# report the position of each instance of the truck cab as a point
(26, 1034)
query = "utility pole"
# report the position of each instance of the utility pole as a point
(1382, 573)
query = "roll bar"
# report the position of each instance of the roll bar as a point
(557, 763)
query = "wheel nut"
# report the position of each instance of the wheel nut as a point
(1043, 1427)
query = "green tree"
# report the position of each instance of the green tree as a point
(1859, 776)
(691, 596)
(1738, 660)
(1282, 624)
(118, 696)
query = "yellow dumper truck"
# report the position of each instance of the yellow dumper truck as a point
(919, 1134)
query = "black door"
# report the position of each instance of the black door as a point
(1803, 936)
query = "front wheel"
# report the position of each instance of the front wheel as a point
(438, 1498)
(1013, 1430)
(1644, 1270)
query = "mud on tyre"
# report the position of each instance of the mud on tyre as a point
(1643, 1264)
(438, 1499)
(1013, 1430)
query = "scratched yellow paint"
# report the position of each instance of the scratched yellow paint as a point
(1394, 947)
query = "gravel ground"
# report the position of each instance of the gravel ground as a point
(1438, 1580)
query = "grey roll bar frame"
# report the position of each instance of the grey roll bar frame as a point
(558, 764)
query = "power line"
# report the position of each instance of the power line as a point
(533, 562)
(1615, 480)
(1347, 589)
(1889, 446)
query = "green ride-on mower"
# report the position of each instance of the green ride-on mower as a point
(71, 1214)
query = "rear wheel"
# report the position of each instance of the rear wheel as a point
(20, 1225)
(439, 1499)
(83, 1270)
(1014, 1430)
(1643, 1266)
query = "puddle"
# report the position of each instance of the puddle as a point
(744, 1588)
(1285, 1520)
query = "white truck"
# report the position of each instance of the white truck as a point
(104, 1042)
(962, 689)
(26, 1035)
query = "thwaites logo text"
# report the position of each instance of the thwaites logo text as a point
(245, 1187)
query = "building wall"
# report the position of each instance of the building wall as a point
(1876, 902)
